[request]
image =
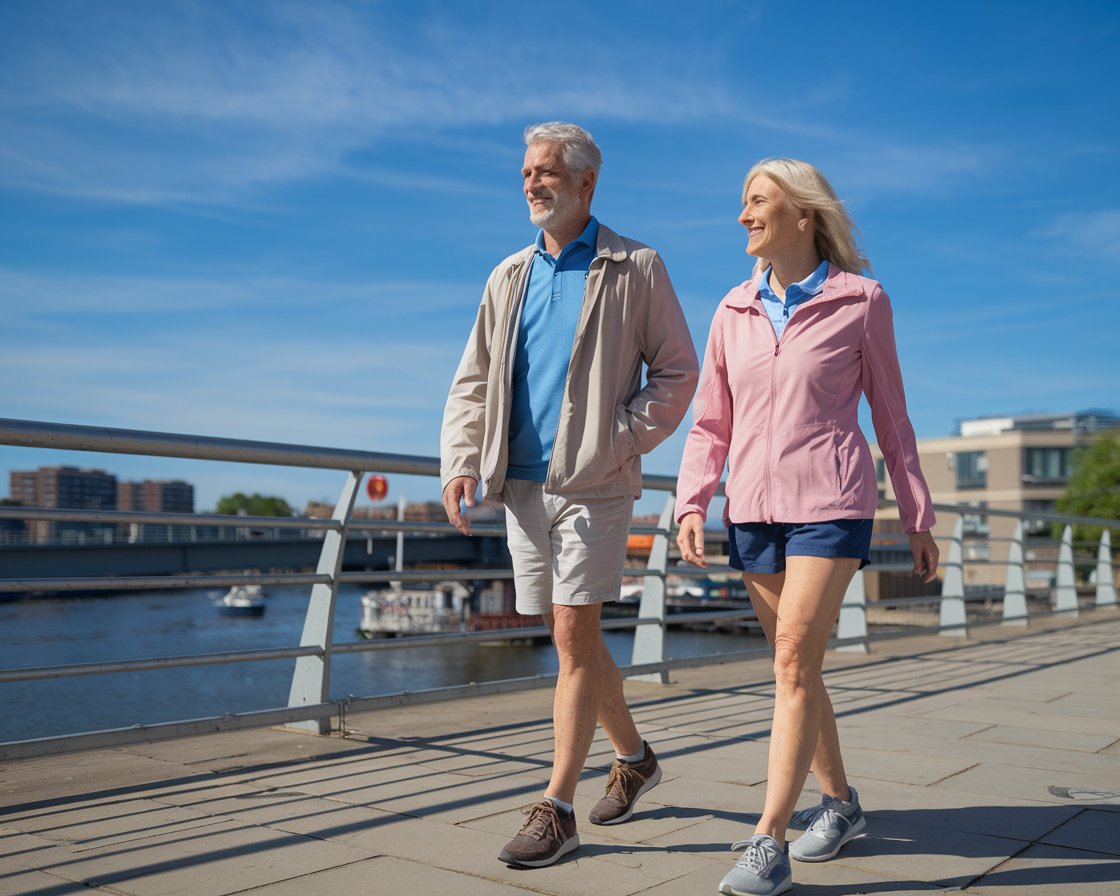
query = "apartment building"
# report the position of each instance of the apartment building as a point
(66, 488)
(74, 488)
(1018, 463)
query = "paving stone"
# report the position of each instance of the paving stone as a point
(387, 874)
(1054, 870)
(220, 859)
(39, 883)
(1023, 782)
(1090, 831)
(108, 822)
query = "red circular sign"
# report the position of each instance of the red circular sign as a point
(377, 487)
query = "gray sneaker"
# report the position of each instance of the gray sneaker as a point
(762, 870)
(547, 835)
(836, 823)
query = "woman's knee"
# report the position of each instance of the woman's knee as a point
(794, 668)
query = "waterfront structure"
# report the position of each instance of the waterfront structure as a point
(1014, 462)
(173, 496)
(75, 488)
(155, 496)
(65, 488)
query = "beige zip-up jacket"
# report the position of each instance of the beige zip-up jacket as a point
(608, 419)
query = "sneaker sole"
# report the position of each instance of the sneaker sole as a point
(854, 831)
(729, 890)
(566, 847)
(651, 782)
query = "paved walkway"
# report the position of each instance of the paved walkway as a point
(990, 765)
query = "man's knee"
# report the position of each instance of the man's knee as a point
(576, 633)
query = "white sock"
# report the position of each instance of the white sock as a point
(637, 757)
(566, 808)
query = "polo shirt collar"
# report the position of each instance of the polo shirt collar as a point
(588, 237)
(809, 287)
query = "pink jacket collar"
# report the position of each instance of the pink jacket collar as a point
(837, 285)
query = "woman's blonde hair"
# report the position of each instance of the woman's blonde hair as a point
(809, 189)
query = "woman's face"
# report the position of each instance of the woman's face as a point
(774, 224)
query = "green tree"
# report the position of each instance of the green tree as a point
(1094, 487)
(254, 505)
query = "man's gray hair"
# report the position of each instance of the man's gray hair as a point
(580, 152)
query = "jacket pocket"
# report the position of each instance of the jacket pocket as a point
(623, 440)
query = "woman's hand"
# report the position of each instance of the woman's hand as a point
(925, 553)
(690, 539)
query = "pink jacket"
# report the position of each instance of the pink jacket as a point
(782, 414)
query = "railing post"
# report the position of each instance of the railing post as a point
(311, 679)
(1106, 581)
(853, 615)
(649, 640)
(954, 620)
(1065, 592)
(1015, 591)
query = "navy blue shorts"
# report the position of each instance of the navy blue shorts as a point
(763, 547)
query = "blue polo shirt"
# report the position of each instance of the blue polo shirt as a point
(549, 315)
(796, 294)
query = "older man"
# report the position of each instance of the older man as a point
(549, 412)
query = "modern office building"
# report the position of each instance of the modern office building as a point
(1020, 463)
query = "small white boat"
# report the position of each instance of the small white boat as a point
(242, 600)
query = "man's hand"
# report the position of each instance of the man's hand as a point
(690, 539)
(925, 553)
(461, 488)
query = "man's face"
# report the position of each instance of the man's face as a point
(555, 195)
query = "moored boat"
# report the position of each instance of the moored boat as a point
(242, 600)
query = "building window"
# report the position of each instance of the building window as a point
(972, 469)
(1046, 465)
(975, 524)
(1038, 527)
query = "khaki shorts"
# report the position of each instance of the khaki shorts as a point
(564, 551)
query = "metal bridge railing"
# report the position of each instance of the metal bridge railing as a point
(310, 705)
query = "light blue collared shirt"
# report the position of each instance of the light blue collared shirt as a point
(796, 294)
(549, 315)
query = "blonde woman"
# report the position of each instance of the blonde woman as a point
(789, 353)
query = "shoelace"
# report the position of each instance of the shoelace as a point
(807, 816)
(543, 821)
(621, 777)
(826, 819)
(757, 855)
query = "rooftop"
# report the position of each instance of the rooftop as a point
(992, 763)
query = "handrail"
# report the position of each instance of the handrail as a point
(316, 647)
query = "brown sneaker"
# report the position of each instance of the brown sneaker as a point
(627, 782)
(544, 838)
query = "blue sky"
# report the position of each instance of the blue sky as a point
(273, 220)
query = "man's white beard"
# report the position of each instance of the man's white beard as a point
(564, 205)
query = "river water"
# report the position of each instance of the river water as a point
(139, 625)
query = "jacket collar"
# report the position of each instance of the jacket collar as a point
(608, 245)
(837, 285)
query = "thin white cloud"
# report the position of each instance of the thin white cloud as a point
(1084, 236)
(208, 103)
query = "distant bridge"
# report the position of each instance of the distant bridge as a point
(362, 552)
(296, 551)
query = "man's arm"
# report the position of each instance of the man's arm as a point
(672, 370)
(464, 414)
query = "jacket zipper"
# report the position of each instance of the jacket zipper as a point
(770, 432)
